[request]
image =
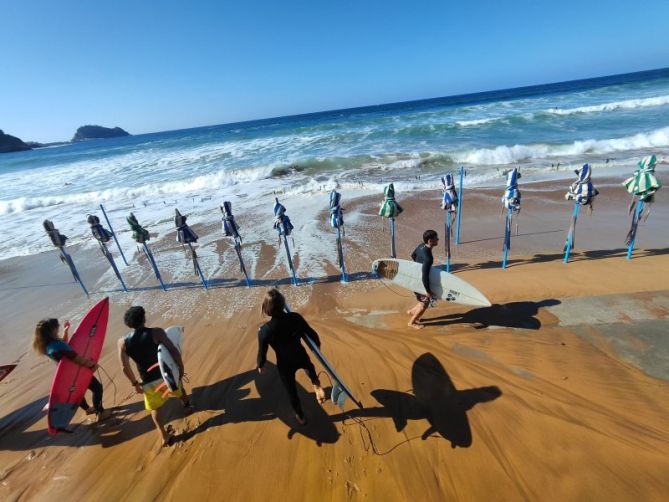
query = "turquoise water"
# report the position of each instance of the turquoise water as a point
(610, 121)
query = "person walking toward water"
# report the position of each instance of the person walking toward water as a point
(423, 254)
(141, 346)
(46, 342)
(284, 332)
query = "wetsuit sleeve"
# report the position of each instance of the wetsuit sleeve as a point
(427, 265)
(263, 345)
(56, 350)
(310, 332)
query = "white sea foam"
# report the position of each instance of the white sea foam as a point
(627, 104)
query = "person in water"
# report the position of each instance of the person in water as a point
(284, 332)
(46, 342)
(423, 254)
(141, 345)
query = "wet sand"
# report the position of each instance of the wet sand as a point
(556, 392)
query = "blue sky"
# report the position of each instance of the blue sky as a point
(159, 65)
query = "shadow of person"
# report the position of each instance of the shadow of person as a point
(508, 315)
(226, 400)
(435, 399)
(319, 427)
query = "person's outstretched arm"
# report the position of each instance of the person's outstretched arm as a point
(263, 345)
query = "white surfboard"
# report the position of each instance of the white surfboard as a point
(169, 369)
(408, 275)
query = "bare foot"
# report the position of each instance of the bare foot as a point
(320, 395)
(90, 411)
(103, 415)
(416, 325)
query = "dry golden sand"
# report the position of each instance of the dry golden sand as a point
(504, 403)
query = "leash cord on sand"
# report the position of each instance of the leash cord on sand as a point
(369, 443)
(111, 380)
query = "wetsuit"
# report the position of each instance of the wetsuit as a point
(56, 350)
(284, 334)
(423, 254)
(141, 348)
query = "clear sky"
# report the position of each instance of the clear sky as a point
(154, 65)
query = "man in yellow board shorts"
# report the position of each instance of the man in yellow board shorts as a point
(142, 347)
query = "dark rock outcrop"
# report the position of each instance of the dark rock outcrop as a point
(98, 132)
(11, 144)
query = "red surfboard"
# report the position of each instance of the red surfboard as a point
(6, 369)
(71, 379)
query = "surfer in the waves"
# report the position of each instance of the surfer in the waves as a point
(423, 254)
(47, 343)
(284, 332)
(142, 347)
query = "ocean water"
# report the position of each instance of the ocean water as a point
(610, 122)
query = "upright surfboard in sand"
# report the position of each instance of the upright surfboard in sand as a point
(408, 275)
(71, 379)
(169, 369)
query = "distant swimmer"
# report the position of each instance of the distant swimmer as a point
(141, 345)
(423, 254)
(46, 342)
(284, 333)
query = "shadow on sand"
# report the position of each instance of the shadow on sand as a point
(508, 315)
(434, 399)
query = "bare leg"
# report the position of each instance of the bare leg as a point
(164, 437)
(419, 310)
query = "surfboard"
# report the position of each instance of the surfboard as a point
(169, 369)
(408, 275)
(339, 389)
(71, 379)
(5, 370)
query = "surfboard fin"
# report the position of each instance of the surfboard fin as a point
(338, 395)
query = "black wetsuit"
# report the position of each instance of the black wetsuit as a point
(284, 334)
(141, 348)
(423, 254)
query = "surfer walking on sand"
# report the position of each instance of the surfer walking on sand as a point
(141, 346)
(423, 254)
(47, 343)
(284, 332)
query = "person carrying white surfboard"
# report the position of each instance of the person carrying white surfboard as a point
(141, 346)
(284, 333)
(423, 254)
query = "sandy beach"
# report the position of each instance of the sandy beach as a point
(558, 391)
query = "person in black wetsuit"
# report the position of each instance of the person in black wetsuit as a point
(141, 346)
(423, 254)
(284, 332)
(47, 342)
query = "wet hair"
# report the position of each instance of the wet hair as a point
(134, 317)
(43, 334)
(274, 303)
(429, 234)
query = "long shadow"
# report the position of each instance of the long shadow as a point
(356, 276)
(501, 237)
(225, 400)
(14, 433)
(508, 315)
(435, 399)
(319, 428)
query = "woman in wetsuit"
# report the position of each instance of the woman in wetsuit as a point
(46, 342)
(284, 332)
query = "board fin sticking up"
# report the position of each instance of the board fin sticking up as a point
(449, 203)
(337, 221)
(231, 229)
(58, 240)
(583, 193)
(390, 209)
(285, 228)
(103, 236)
(187, 236)
(141, 236)
(643, 186)
(510, 202)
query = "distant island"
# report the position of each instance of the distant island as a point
(98, 132)
(11, 144)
